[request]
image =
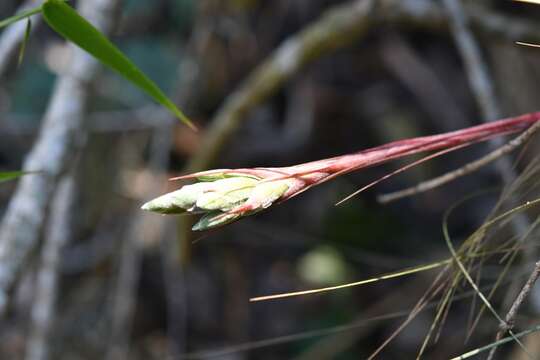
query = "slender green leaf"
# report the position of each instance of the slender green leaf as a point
(12, 175)
(68, 23)
(22, 15)
(25, 41)
(496, 343)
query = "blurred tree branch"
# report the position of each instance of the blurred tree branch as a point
(483, 20)
(60, 136)
(483, 88)
(58, 233)
(480, 80)
(516, 305)
(338, 27)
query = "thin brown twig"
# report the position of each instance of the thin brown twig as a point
(465, 170)
(125, 294)
(523, 43)
(475, 66)
(428, 296)
(483, 88)
(516, 305)
(529, 1)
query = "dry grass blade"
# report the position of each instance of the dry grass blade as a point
(357, 283)
(258, 344)
(442, 309)
(512, 313)
(537, 2)
(464, 271)
(509, 258)
(392, 275)
(479, 350)
(529, 1)
(437, 285)
(523, 43)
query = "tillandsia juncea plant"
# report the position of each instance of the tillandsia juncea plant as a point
(226, 195)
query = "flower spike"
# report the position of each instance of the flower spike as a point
(227, 195)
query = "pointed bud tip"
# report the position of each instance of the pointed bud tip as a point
(198, 227)
(161, 206)
(213, 220)
(147, 206)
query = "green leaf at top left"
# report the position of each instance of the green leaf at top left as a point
(23, 15)
(12, 175)
(68, 23)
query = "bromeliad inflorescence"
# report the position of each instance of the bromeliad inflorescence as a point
(223, 196)
(226, 195)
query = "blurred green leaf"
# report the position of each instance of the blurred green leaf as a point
(155, 57)
(30, 90)
(25, 41)
(323, 266)
(68, 23)
(182, 14)
(12, 175)
(22, 15)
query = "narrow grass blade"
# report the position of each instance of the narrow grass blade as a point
(24, 42)
(23, 15)
(464, 271)
(12, 175)
(527, 44)
(505, 340)
(400, 273)
(68, 23)
(529, 1)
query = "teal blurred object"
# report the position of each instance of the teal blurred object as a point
(156, 57)
(134, 7)
(180, 13)
(31, 88)
(183, 13)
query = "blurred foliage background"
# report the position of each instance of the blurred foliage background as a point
(128, 288)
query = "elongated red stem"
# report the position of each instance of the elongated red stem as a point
(406, 147)
(315, 172)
